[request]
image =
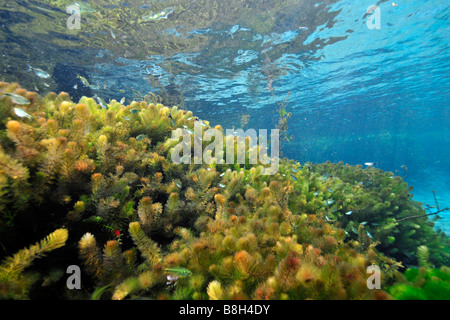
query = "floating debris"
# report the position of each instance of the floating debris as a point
(21, 113)
(39, 72)
(17, 99)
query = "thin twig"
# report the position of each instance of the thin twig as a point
(424, 215)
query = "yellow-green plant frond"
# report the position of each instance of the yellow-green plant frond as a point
(215, 290)
(423, 255)
(149, 249)
(14, 265)
(125, 288)
(11, 167)
(12, 282)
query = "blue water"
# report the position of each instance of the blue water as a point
(356, 94)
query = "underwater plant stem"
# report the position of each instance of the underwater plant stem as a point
(434, 195)
(429, 214)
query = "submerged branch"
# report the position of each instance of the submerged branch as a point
(421, 215)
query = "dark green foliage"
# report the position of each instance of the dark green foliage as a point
(379, 200)
(423, 284)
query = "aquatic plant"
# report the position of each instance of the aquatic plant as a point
(424, 282)
(381, 204)
(143, 226)
(14, 283)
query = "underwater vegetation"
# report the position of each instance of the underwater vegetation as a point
(423, 283)
(96, 185)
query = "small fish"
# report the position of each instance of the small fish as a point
(363, 223)
(303, 28)
(83, 80)
(294, 177)
(178, 272)
(328, 219)
(112, 34)
(21, 113)
(349, 213)
(122, 101)
(101, 102)
(134, 111)
(95, 86)
(171, 119)
(394, 4)
(316, 193)
(39, 72)
(75, 86)
(222, 185)
(17, 99)
(328, 202)
(126, 118)
(222, 174)
(141, 137)
(187, 129)
(164, 14)
(329, 190)
(370, 236)
(370, 164)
